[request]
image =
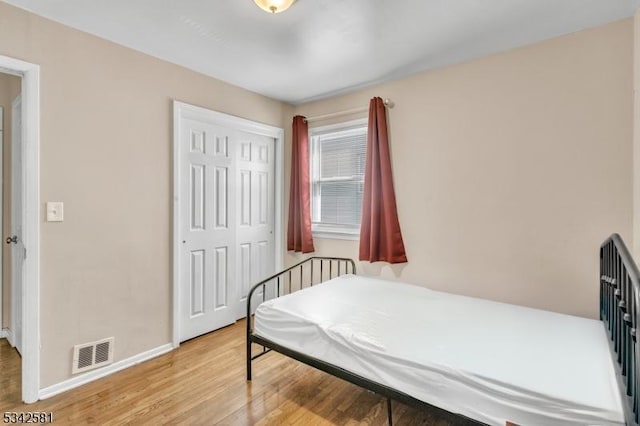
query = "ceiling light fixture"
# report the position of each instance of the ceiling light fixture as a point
(274, 6)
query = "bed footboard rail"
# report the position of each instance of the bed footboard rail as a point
(619, 302)
(306, 273)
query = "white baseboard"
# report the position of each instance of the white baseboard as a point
(74, 382)
(6, 333)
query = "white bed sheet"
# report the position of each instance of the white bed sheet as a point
(489, 361)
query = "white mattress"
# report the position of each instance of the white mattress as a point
(489, 361)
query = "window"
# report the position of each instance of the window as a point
(337, 158)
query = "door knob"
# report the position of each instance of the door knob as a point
(13, 240)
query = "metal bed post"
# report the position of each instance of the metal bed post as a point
(248, 338)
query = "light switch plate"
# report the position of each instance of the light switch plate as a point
(55, 211)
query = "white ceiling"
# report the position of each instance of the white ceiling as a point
(324, 47)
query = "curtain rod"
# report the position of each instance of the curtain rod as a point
(387, 103)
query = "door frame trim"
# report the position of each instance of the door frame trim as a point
(184, 110)
(14, 273)
(30, 74)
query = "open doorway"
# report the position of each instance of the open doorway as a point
(10, 303)
(23, 236)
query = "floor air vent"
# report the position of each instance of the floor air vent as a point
(92, 355)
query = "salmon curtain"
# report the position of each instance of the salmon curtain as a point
(299, 236)
(380, 236)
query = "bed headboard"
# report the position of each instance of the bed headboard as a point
(619, 292)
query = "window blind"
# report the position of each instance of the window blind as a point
(338, 161)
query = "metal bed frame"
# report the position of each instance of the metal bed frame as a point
(619, 302)
(303, 275)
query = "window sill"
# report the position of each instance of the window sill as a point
(336, 235)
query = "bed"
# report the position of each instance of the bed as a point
(488, 362)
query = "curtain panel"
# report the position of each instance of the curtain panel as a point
(380, 236)
(299, 236)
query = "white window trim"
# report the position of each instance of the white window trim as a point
(320, 230)
(334, 234)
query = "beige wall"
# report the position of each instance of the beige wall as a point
(510, 170)
(9, 89)
(106, 144)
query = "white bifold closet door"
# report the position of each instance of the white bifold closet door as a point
(227, 210)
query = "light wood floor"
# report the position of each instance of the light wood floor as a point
(203, 383)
